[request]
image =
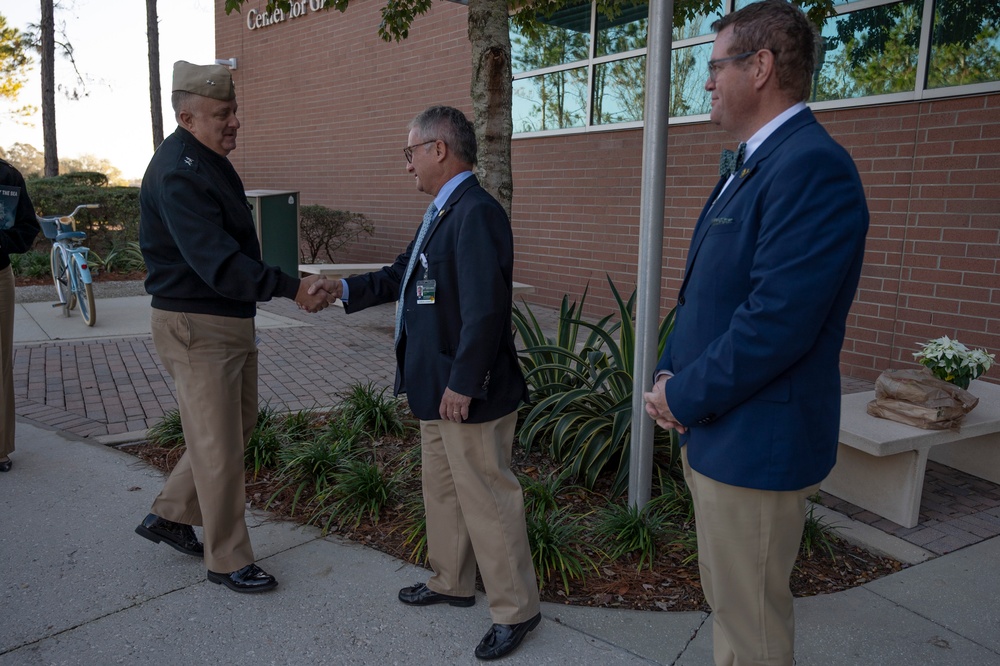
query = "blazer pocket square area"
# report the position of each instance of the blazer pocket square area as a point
(720, 226)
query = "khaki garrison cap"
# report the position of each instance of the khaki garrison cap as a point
(213, 81)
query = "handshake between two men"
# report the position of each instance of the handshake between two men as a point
(317, 292)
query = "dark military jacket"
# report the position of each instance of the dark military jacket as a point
(197, 235)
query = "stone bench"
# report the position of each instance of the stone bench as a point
(881, 463)
(347, 270)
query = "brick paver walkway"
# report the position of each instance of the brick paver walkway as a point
(103, 387)
(956, 510)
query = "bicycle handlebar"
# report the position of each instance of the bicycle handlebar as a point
(70, 216)
(61, 220)
(81, 207)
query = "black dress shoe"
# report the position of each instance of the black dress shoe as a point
(250, 578)
(177, 535)
(501, 639)
(6, 465)
(421, 595)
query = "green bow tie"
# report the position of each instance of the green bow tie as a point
(730, 162)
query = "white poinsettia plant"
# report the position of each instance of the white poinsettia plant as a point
(953, 362)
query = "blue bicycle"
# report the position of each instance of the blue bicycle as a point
(70, 271)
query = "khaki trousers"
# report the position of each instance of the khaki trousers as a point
(6, 362)
(747, 544)
(213, 362)
(475, 513)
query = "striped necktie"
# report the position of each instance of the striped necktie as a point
(414, 255)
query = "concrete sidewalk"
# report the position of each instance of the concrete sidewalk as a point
(79, 587)
(116, 318)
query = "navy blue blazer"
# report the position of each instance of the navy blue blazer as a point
(464, 341)
(771, 273)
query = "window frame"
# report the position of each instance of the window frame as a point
(919, 93)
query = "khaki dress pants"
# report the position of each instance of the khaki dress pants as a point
(213, 362)
(6, 362)
(747, 544)
(475, 513)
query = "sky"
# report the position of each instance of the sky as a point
(109, 41)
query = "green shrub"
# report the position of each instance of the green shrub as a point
(121, 257)
(369, 409)
(624, 529)
(674, 503)
(817, 534)
(313, 456)
(415, 528)
(167, 433)
(581, 393)
(304, 465)
(265, 441)
(32, 264)
(117, 219)
(558, 547)
(542, 494)
(360, 489)
(303, 424)
(84, 178)
(686, 541)
(323, 231)
(674, 497)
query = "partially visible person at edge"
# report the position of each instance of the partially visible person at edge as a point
(18, 228)
(457, 364)
(206, 277)
(750, 375)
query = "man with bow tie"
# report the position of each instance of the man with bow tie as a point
(458, 366)
(750, 375)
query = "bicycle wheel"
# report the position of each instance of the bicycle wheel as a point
(61, 279)
(85, 291)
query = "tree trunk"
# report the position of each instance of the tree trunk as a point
(155, 102)
(491, 92)
(49, 88)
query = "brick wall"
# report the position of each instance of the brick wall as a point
(931, 170)
(325, 105)
(325, 102)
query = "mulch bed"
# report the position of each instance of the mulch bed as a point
(669, 585)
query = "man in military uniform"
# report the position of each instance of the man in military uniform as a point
(206, 276)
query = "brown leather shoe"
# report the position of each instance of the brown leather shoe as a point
(178, 536)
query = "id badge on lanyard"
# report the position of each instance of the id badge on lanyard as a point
(426, 288)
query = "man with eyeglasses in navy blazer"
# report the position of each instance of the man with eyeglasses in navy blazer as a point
(750, 375)
(458, 366)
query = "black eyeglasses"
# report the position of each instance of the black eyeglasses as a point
(715, 65)
(408, 151)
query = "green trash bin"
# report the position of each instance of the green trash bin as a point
(276, 217)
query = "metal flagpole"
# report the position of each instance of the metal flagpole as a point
(654, 168)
